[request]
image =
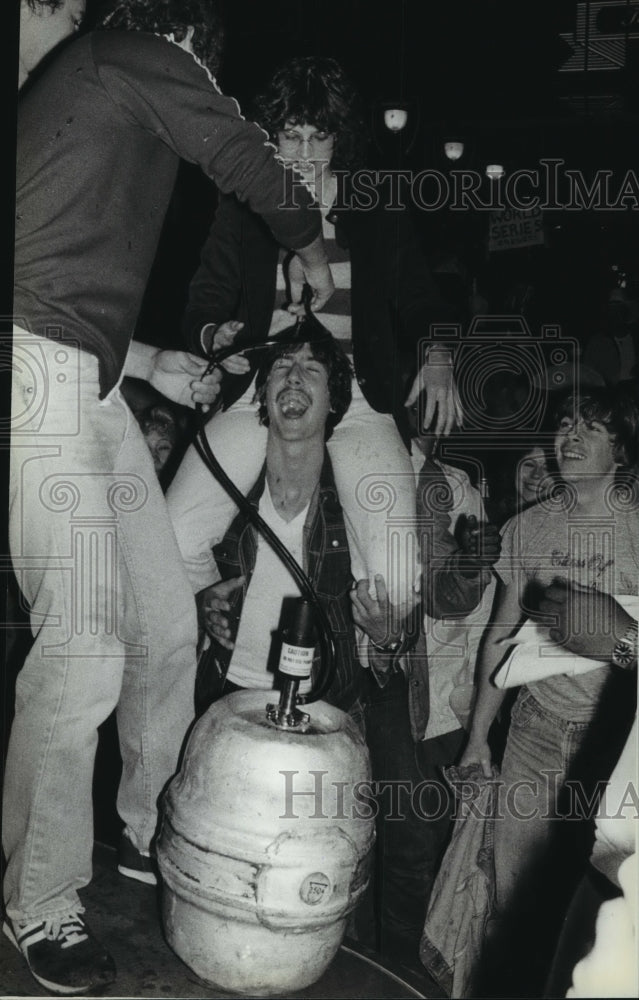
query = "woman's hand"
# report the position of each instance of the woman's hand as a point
(436, 379)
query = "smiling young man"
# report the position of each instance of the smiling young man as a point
(302, 393)
(564, 562)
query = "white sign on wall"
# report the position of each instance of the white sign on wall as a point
(510, 228)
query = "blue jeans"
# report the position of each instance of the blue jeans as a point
(414, 819)
(113, 619)
(540, 751)
(552, 776)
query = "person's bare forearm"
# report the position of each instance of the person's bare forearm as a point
(487, 703)
(140, 360)
(489, 697)
(314, 255)
(504, 619)
(316, 273)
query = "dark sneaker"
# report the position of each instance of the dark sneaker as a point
(134, 864)
(63, 955)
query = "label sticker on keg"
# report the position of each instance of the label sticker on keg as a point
(296, 661)
(315, 888)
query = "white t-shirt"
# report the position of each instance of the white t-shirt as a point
(270, 583)
(547, 541)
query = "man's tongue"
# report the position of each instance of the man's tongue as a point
(293, 404)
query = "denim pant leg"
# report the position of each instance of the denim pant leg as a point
(64, 552)
(532, 885)
(71, 492)
(539, 751)
(376, 486)
(199, 507)
(156, 704)
(415, 807)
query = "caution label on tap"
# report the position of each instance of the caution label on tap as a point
(296, 661)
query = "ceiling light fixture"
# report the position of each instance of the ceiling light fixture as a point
(395, 119)
(495, 171)
(454, 149)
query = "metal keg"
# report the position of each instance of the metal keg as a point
(265, 845)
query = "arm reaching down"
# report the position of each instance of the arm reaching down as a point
(436, 378)
(505, 619)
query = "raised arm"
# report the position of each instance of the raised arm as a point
(172, 96)
(419, 305)
(214, 291)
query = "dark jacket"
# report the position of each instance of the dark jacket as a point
(327, 564)
(100, 137)
(393, 297)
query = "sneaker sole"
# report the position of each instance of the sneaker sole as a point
(147, 877)
(65, 991)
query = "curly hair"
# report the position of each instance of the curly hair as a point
(314, 90)
(616, 410)
(165, 17)
(326, 350)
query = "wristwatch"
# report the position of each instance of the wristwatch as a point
(395, 648)
(624, 653)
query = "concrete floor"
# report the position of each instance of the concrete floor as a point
(124, 916)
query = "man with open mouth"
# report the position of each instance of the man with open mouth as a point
(302, 393)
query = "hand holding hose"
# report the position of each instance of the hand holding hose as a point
(310, 266)
(236, 364)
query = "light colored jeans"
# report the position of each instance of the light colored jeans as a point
(553, 772)
(540, 750)
(113, 619)
(373, 474)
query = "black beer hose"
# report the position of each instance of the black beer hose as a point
(324, 678)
